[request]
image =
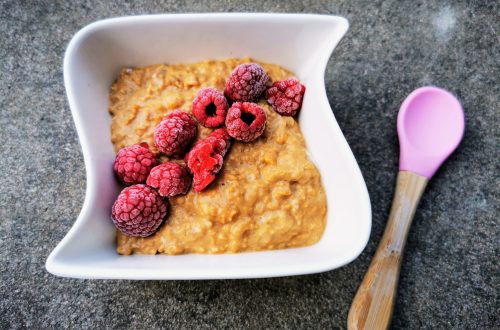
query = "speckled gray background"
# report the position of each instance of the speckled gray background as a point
(450, 276)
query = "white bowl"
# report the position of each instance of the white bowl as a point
(301, 43)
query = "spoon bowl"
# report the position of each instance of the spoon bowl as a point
(430, 127)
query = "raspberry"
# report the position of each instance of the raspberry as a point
(246, 83)
(170, 179)
(133, 163)
(138, 211)
(286, 96)
(175, 133)
(205, 159)
(245, 121)
(210, 107)
(205, 162)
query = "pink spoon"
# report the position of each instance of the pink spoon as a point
(430, 127)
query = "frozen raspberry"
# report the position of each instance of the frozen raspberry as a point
(245, 121)
(246, 83)
(286, 96)
(210, 107)
(175, 133)
(170, 179)
(138, 211)
(205, 159)
(205, 162)
(133, 163)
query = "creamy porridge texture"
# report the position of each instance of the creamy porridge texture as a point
(268, 195)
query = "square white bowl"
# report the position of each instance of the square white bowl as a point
(301, 43)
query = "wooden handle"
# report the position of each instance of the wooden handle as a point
(373, 304)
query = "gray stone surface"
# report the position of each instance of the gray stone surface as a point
(450, 276)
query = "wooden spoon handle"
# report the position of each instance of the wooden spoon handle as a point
(374, 302)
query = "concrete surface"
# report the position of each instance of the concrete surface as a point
(450, 275)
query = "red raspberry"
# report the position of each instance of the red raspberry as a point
(245, 121)
(170, 179)
(138, 211)
(246, 83)
(286, 96)
(205, 159)
(175, 133)
(205, 162)
(210, 107)
(133, 163)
